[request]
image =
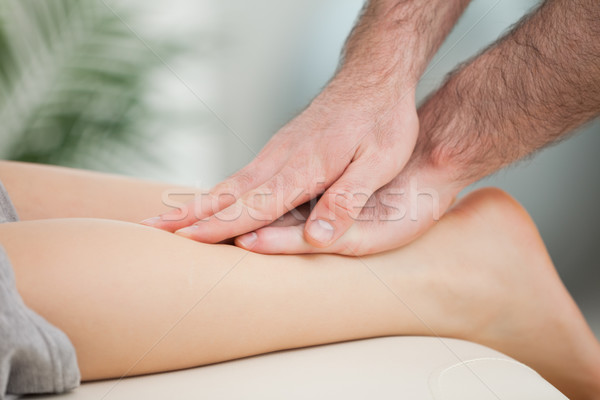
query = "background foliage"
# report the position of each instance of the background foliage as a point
(73, 77)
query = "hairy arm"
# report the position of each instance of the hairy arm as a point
(394, 40)
(539, 82)
(354, 138)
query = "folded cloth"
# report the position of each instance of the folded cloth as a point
(7, 210)
(35, 356)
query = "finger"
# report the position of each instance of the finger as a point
(341, 204)
(182, 214)
(290, 240)
(276, 240)
(256, 173)
(297, 216)
(254, 209)
(222, 195)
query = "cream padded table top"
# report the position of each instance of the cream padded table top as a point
(412, 368)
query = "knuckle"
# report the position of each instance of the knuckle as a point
(381, 155)
(275, 144)
(292, 179)
(310, 172)
(380, 162)
(234, 186)
(260, 203)
(243, 179)
(386, 139)
(225, 188)
(291, 187)
(278, 184)
(223, 195)
(375, 160)
(344, 203)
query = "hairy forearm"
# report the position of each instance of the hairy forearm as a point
(394, 40)
(539, 82)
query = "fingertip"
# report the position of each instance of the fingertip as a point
(151, 221)
(189, 232)
(280, 240)
(320, 232)
(247, 241)
(159, 223)
(170, 221)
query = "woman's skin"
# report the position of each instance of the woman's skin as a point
(136, 300)
(44, 191)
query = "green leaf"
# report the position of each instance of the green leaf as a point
(72, 86)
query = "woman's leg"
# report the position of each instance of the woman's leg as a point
(136, 300)
(45, 191)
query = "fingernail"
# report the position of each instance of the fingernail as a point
(321, 231)
(151, 221)
(188, 232)
(248, 240)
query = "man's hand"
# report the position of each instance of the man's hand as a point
(347, 144)
(353, 139)
(535, 85)
(395, 215)
(532, 87)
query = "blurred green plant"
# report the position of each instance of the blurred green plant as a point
(72, 82)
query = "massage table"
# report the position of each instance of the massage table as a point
(411, 368)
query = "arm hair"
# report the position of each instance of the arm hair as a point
(531, 88)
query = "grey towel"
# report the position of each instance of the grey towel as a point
(35, 357)
(7, 210)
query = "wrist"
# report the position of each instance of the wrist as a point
(385, 55)
(449, 139)
(390, 83)
(445, 179)
(359, 95)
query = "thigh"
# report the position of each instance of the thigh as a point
(43, 191)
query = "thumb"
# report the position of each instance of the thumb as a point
(341, 204)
